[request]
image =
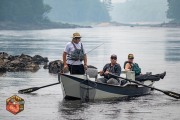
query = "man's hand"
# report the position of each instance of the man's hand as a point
(107, 72)
(85, 67)
(65, 68)
(101, 72)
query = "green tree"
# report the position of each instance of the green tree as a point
(173, 10)
(23, 11)
(76, 11)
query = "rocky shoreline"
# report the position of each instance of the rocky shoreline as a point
(21, 62)
(16, 63)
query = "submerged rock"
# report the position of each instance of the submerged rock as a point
(20, 62)
(55, 66)
(39, 59)
(3, 69)
(3, 55)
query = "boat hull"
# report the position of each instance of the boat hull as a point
(79, 87)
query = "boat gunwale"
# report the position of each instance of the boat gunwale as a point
(123, 86)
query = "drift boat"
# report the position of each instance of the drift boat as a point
(86, 88)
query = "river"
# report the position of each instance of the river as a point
(156, 50)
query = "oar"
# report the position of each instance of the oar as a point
(169, 93)
(29, 90)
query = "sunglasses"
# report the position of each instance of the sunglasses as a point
(115, 58)
(77, 38)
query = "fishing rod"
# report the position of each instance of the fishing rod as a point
(86, 53)
(29, 90)
(94, 48)
(90, 51)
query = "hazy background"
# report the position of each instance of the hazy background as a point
(147, 11)
(88, 12)
(123, 11)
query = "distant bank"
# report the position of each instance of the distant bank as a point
(173, 25)
(37, 26)
(59, 25)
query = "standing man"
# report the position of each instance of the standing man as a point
(113, 68)
(74, 54)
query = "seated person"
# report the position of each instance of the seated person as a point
(131, 66)
(113, 68)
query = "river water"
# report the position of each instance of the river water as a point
(156, 50)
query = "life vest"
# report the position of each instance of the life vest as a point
(77, 54)
(134, 67)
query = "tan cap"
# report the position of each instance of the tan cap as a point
(130, 56)
(76, 35)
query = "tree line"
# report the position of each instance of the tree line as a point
(23, 11)
(173, 10)
(36, 11)
(76, 11)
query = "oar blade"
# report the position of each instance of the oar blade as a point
(172, 94)
(28, 90)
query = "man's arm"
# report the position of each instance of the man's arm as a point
(85, 59)
(64, 60)
(103, 71)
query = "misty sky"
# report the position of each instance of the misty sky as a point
(118, 1)
(139, 11)
(122, 11)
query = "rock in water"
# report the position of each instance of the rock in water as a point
(55, 66)
(20, 62)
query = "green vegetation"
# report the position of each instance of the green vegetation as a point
(33, 14)
(78, 11)
(23, 11)
(173, 11)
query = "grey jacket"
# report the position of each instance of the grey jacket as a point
(116, 69)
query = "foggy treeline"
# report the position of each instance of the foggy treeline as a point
(140, 11)
(88, 11)
(23, 11)
(173, 11)
(76, 11)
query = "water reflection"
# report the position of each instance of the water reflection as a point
(98, 109)
(148, 44)
(73, 109)
(32, 43)
(172, 49)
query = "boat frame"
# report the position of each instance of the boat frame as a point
(86, 88)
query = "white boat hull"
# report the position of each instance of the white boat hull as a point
(72, 88)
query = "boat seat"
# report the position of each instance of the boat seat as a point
(128, 74)
(92, 73)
